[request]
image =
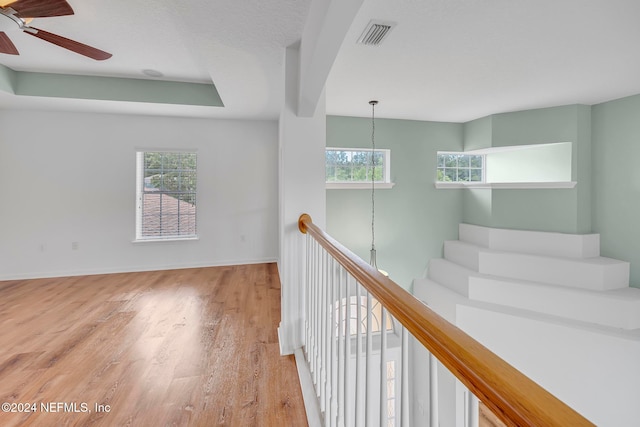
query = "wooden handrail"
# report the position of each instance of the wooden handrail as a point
(508, 393)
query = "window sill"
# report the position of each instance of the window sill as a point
(168, 239)
(358, 185)
(506, 185)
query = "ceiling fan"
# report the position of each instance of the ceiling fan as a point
(20, 12)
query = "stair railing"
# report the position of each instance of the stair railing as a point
(359, 330)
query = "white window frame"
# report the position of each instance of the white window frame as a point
(462, 153)
(140, 182)
(485, 152)
(385, 183)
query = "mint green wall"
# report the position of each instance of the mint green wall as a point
(556, 124)
(25, 83)
(476, 206)
(413, 219)
(616, 178)
(535, 209)
(561, 210)
(8, 79)
(477, 133)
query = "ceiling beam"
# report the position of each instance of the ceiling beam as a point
(326, 27)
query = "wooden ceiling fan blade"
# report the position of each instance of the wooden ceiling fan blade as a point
(72, 45)
(6, 45)
(41, 8)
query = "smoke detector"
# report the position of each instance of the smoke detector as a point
(375, 32)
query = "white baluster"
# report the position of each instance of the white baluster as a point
(311, 305)
(335, 297)
(307, 296)
(404, 394)
(383, 367)
(306, 289)
(369, 365)
(472, 417)
(434, 417)
(314, 319)
(341, 328)
(322, 338)
(347, 351)
(359, 389)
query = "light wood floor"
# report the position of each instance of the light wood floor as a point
(194, 347)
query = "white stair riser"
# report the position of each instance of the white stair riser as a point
(450, 275)
(593, 274)
(532, 242)
(464, 254)
(559, 301)
(439, 298)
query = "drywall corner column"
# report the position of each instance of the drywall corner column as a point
(478, 133)
(301, 190)
(477, 202)
(582, 170)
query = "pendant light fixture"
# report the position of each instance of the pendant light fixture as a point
(372, 260)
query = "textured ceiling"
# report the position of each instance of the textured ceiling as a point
(448, 60)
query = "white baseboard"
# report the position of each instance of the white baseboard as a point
(134, 269)
(311, 405)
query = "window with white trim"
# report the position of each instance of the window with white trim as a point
(166, 195)
(355, 166)
(460, 167)
(545, 165)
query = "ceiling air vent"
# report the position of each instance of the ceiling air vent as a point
(375, 32)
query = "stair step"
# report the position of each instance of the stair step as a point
(463, 253)
(439, 298)
(618, 308)
(532, 242)
(451, 275)
(598, 274)
(595, 273)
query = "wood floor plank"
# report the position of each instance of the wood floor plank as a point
(192, 347)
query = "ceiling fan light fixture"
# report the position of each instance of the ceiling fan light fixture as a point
(20, 12)
(12, 22)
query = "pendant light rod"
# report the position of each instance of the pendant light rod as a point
(372, 260)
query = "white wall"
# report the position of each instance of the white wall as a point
(71, 178)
